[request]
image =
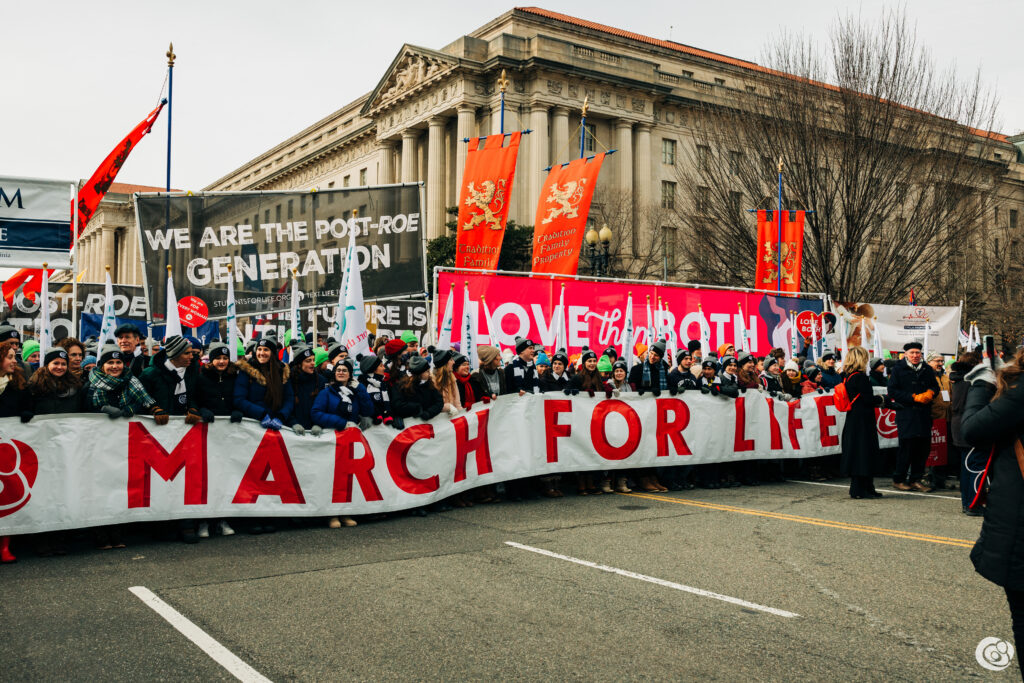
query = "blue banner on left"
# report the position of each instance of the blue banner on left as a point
(35, 222)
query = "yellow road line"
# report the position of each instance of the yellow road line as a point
(848, 526)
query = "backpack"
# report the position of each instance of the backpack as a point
(841, 397)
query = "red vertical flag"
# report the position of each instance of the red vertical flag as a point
(767, 273)
(562, 216)
(89, 197)
(484, 200)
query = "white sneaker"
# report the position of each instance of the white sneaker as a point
(224, 529)
(204, 530)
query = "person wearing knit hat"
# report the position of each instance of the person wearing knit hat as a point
(651, 375)
(521, 373)
(442, 357)
(116, 393)
(215, 385)
(378, 389)
(263, 392)
(409, 337)
(791, 378)
(415, 395)
(171, 379)
(830, 377)
(394, 349)
(543, 363)
(320, 357)
(682, 378)
(54, 388)
(640, 351)
(556, 378)
(88, 363)
(490, 374)
(876, 372)
(693, 346)
(726, 350)
(604, 366)
(612, 353)
(306, 384)
(30, 353)
(9, 333)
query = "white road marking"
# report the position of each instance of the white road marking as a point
(888, 490)
(220, 654)
(659, 582)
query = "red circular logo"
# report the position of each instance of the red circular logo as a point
(193, 311)
(18, 469)
(886, 424)
(805, 323)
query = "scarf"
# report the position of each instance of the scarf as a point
(662, 384)
(468, 389)
(124, 392)
(493, 380)
(3, 382)
(179, 388)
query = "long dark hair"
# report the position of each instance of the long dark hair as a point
(45, 383)
(273, 375)
(590, 380)
(1009, 375)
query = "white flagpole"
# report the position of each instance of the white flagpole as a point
(814, 339)
(469, 330)
(628, 333)
(926, 335)
(876, 340)
(107, 325)
(652, 332)
(296, 322)
(670, 337)
(705, 339)
(492, 334)
(172, 320)
(444, 339)
(77, 261)
(44, 315)
(561, 332)
(354, 335)
(232, 319)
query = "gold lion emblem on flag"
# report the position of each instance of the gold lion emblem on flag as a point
(489, 201)
(566, 198)
(771, 256)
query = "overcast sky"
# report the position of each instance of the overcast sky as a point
(77, 76)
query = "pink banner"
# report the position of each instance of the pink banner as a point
(595, 312)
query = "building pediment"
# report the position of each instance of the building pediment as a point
(413, 68)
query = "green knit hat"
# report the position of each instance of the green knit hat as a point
(319, 356)
(30, 347)
(604, 364)
(409, 337)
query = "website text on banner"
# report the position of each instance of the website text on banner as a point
(897, 325)
(595, 311)
(63, 472)
(562, 215)
(265, 236)
(767, 273)
(35, 222)
(484, 200)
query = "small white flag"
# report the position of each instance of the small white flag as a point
(354, 334)
(172, 325)
(232, 319)
(44, 315)
(444, 339)
(469, 330)
(628, 334)
(108, 322)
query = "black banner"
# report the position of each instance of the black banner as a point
(264, 235)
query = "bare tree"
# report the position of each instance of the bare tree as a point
(645, 239)
(887, 150)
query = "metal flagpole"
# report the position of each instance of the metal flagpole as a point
(778, 253)
(502, 84)
(76, 261)
(583, 125)
(170, 103)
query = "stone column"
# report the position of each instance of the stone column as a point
(560, 152)
(643, 179)
(539, 156)
(387, 163)
(409, 138)
(109, 234)
(624, 162)
(95, 259)
(435, 177)
(464, 129)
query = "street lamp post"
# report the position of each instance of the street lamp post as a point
(598, 244)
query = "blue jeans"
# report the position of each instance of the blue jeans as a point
(967, 478)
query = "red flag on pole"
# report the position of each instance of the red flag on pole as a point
(562, 215)
(89, 197)
(768, 272)
(484, 200)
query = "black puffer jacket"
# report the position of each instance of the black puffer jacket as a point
(306, 387)
(15, 402)
(999, 553)
(424, 402)
(957, 401)
(215, 389)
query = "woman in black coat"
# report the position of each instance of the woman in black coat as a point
(415, 395)
(957, 402)
(998, 425)
(216, 384)
(55, 388)
(860, 433)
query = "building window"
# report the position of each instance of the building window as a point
(751, 88)
(703, 199)
(266, 216)
(735, 202)
(291, 209)
(703, 157)
(330, 195)
(668, 152)
(735, 159)
(669, 236)
(277, 213)
(668, 194)
(719, 81)
(687, 74)
(1013, 219)
(302, 204)
(362, 177)
(590, 138)
(346, 181)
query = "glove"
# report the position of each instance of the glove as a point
(608, 393)
(453, 410)
(111, 411)
(269, 422)
(395, 422)
(298, 429)
(192, 417)
(730, 390)
(981, 373)
(785, 398)
(365, 423)
(568, 391)
(680, 389)
(26, 416)
(705, 389)
(640, 390)
(590, 392)
(743, 390)
(276, 424)
(672, 391)
(486, 399)
(206, 414)
(236, 415)
(924, 397)
(160, 416)
(820, 390)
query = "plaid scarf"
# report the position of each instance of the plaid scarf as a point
(124, 392)
(662, 383)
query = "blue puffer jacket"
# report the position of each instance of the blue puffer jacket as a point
(335, 407)
(306, 388)
(251, 389)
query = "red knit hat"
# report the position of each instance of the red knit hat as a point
(395, 347)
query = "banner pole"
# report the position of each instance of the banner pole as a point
(583, 124)
(170, 105)
(75, 261)
(502, 84)
(778, 253)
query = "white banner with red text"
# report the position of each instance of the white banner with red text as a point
(73, 471)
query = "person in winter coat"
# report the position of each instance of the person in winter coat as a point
(307, 384)
(588, 379)
(469, 388)
(651, 376)
(557, 378)
(618, 383)
(770, 378)
(811, 383)
(993, 421)
(860, 454)
(521, 373)
(684, 361)
(444, 380)
(830, 378)
(337, 407)
(960, 448)
(940, 414)
(76, 354)
(913, 387)
(490, 374)
(876, 372)
(55, 388)
(15, 401)
(116, 393)
(171, 379)
(791, 378)
(129, 338)
(415, 394)
(746, 373)
(378, 389)
(262, 390)
(215, 385)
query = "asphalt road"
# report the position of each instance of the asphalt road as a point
(882, 589)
